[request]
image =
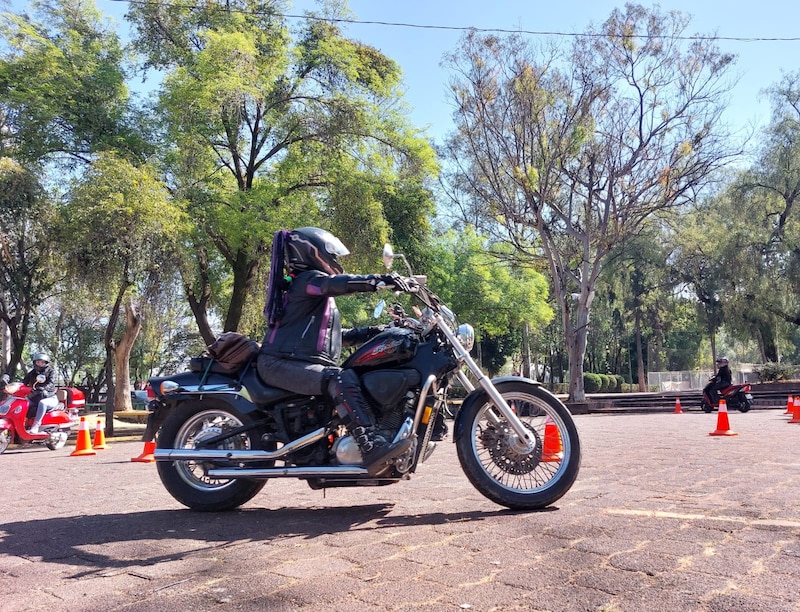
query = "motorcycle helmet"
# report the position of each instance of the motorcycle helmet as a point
(723, 361)
(312, 248)
(37, 357)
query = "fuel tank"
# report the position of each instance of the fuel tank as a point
(393, 346)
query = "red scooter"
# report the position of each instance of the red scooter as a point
(17, 413)
(737, 397)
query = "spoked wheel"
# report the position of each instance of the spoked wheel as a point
(509, 470)
(187, 481)
(5, 440)
(57, 440)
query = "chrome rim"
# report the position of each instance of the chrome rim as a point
(200, 427)
(506, 458)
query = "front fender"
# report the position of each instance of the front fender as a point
(502, 384)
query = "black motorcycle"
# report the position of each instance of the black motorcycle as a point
(224, 435)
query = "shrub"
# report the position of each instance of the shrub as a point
(772, 371)
(592, 383)
(619, 381)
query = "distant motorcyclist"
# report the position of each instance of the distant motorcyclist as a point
(719, 381)
(302, 346)
(41, 380)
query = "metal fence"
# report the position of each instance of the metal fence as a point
(695, 380)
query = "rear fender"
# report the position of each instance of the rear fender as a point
(161, 407)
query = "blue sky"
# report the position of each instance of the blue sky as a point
(420, 51)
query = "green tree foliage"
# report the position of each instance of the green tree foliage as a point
(267, 131)
(571, 154)
(484, 289)
(120, 225)
(62, 86)
(28, 261)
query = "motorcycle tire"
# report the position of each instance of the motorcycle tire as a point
(57, 440)
(5, 440)
(706, 408)
(187, 481)
(497, 465)
(745, 405)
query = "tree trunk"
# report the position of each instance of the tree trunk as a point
(244, 275)
(122, 355)
(640, 353)
(199, 304)
(110, 349)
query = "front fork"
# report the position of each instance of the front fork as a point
(485, 382)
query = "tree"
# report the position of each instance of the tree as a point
(568, 162)
(27, 258)
(62, 86)
(113, 195)
(271, 133)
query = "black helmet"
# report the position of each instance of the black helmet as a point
(41, 357)
(312, 248)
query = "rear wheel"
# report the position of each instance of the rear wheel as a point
(745, 404)
(5, 440)
(507, 469)
(187, 481)
(57, 440)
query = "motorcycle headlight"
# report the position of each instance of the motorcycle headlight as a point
(466, 336)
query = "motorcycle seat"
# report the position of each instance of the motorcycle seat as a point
(262, 393)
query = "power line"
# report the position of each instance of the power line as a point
(421, 26)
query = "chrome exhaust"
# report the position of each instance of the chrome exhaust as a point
(191, 454)
(287, 472)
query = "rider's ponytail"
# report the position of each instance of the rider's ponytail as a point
(277, 284)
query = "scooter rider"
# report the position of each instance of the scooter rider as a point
(720, 380)
(302, 346)
(41, 380)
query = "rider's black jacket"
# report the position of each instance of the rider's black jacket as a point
(311, 327)
(44, 389)
(722, 378)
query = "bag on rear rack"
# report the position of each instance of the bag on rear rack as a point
(228, 354)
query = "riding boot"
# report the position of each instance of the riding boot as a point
(376, 450)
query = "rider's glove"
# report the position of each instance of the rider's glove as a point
(398, 282)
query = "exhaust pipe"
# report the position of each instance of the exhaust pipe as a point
(287, 472)
(191, 454)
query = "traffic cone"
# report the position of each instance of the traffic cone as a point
(83, 446)
(99, 437)
(723, 427)
(795, 412)
(789, 405)
(147, 454)
(678, 406)
(552, 449)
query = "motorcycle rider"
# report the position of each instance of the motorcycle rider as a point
(719, 381)
(302, 346)
(41, 380)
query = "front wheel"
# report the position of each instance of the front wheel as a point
(187, 481)
(508, 470)
(706, 408)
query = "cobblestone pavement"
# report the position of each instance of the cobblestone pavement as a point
(662, 517)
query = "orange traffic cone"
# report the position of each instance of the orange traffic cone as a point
(678, 406)
(84, 444)
(552, 449)
(147, 454)
(789, 405)
(723, 427)
(795, 412)
(99, 437)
